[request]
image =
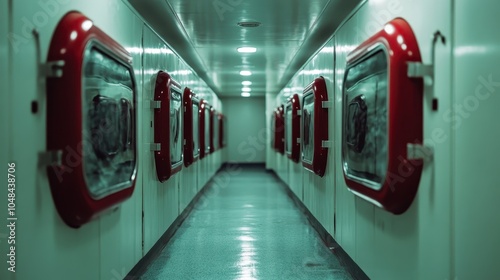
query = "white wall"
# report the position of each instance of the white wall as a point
(417, 244)
(109, 246)
(5, 126)
(246, 121)
(475, 131)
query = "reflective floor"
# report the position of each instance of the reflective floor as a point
(246, 227)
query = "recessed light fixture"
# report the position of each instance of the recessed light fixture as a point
(247, 89)
(249, 24)
(245, 73)
(247, 50)
(245, 94)
(246, 83)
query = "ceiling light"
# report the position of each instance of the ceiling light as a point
(246, 89)
(246, 83)
(247, 50)
(245, 73)
(245, 94)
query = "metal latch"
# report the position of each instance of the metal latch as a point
(52, 69)
(427, 71)
(418, 151)
(326, 144)
(153, 104)
(50, 158)
(327, 104)
(154, 146)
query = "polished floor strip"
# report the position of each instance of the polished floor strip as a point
(246, 227)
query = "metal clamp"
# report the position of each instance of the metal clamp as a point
(153, 104)
(154, 146)
(299, 112)
(326, 144)
(299, 140)
(50, 158)
(421, 70)
(418, 151)
(52, 69)
(327, 104)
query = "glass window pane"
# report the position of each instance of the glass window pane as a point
(196, 130)
(288, 129)
(365, 113)
(175, 127)
(108, 124)
(308, 129)
(207, 130)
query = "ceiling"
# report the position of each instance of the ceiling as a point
(206, 35)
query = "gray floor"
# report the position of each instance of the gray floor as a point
(246, 227)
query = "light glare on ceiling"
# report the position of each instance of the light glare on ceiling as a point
(245, 94)
(246, 83)
(245, 73)
(247, 50)
(247, 89)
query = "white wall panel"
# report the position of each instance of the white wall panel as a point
(319, 192)
(270, 151)
(109, 246)
(160, 199)
(415, 245)
(247, 142)
(409, 241)
(474, 120)
(45, 244)
(5, 113)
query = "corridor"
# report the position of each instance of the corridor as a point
(246, 227)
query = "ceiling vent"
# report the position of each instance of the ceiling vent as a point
(249, 24)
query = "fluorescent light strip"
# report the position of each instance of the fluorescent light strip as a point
(245, 73)
(246, 83)
(245, 94)
(247, 50)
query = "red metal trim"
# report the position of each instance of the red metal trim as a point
(213, 113)
(203, 146)
(272, 143)
(405, 118)
(64, 119)
(163, 87)
(224, 131)
(280, 130)
(320, 119)
(189, 99)
(220, 118)
(294, 102)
